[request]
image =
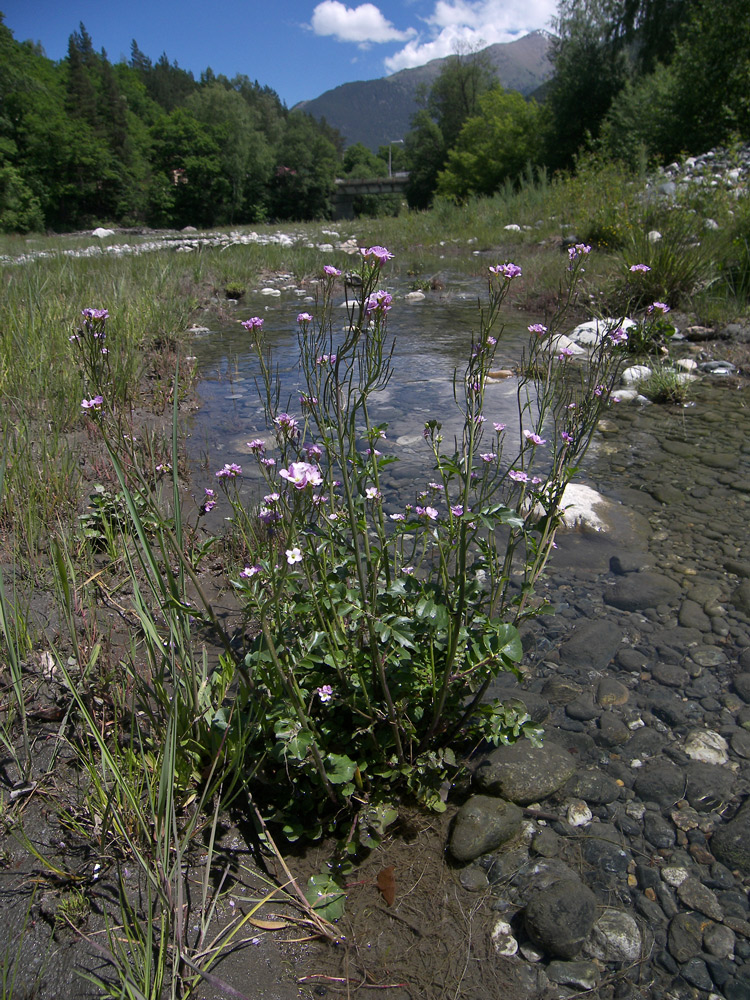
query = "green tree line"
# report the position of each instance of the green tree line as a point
(84, 141)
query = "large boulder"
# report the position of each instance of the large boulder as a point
(524, 773)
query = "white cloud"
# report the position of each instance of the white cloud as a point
(459, 24)
(364, 24)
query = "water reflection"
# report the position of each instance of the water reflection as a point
(432, 340)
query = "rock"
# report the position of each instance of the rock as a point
(731, 843)
(695, 972)
(741, 684)
(584, 975)
(708, 786)
(706, 746)
(695, 896)
(503, 940)
(638, 591)
(661, 782)
(653, 236)
(593, 787)
(591, 645)
(415, 296)
(615, 937)
(635, 373)
(719, 940)
(578, 813)
(560, 918)
(741, 597)
(685, 936)
(102, 233)
(482, 824)
(522, 773)
(612, 730)
(611, 693)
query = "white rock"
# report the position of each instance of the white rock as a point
(415, 296)
(590, 333)
(674, 875)
(615, 937)
(274, 292)
(503, 939)
(654, 236)
(103, 233)
(626, 396)
(636, 373)
(562, 342)
(513, 228)
(710, 224)
(688, 364)
(580, 505)
(578, 813)
(706, 746)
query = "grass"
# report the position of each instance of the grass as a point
(161, 753)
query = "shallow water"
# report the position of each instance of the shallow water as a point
(432, 340)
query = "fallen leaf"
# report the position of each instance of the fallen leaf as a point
(268, 925)
(386, 882)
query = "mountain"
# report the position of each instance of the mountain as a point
(374, 112)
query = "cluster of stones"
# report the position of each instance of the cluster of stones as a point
(188, 241)
(616, 856)
(716, 168)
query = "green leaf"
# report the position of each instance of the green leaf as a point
(325, 896)
(340, 768)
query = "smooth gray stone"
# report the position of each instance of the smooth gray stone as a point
(522, 773)
(560, 918)
(591, 645)
(638, 591)
(482, 824)
(730, 844)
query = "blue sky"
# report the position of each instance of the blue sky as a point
(300, 48)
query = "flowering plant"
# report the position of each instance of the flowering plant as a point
(380, 634)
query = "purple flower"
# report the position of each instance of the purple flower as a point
(373, 493)
(491, 341)
(567, 438)
(579, 250)
(293, 555)
(499, 428)
(92, 404)
(660, 307)
(250, 571)
(331, 270)
(518, 477)
(428, 512)
(268, 462)
(618, 336)
(230, 471)
(267, 515)
(397, 517)
(488, 456)
(379, 302)
(565, 352)
(257, 446)
(307, 400)
(254, 323)
(534, 438)
(599, 390)
(538, 328)
(304, 318)
(95, 314)
(640, 268)
(287, 424)
(302, 474)
(457, 510)
(376, 255)
(508, 271)
(314, 451)
(325, 693)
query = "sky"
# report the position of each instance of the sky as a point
(300, 48)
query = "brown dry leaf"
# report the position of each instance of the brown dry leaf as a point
(386, 882)
(268, 925)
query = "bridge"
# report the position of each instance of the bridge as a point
(348, 189)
